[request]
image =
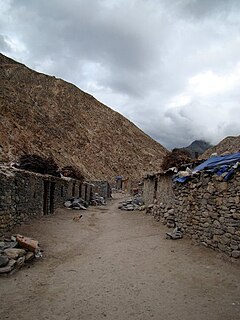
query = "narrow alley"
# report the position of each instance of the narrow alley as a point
(114, 264)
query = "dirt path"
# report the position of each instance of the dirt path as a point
(114, 265)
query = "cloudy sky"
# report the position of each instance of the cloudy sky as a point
(170, 66)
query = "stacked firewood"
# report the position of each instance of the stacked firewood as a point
(72, 172)
(36, 163)
(176, 158)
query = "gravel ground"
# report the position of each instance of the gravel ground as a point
(114, 264)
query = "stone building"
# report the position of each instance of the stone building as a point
(102, 188)
(24, 194)
(206, 208)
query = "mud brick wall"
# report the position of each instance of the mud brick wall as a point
(164, 189)
(158, 187)
(207, 209)
(149, 190)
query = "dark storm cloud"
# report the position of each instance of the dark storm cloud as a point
(172, 67)
(204, 8)
(76, 32)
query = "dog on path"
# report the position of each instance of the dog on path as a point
(77, 218)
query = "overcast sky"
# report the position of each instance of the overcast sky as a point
(170, 66)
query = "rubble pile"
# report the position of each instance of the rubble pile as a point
(16, 251)
(168, 214)
(175, 234)
(134, 203)
(76, 203)
(97, 200)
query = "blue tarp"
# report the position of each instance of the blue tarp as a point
(218, 161)
(218, 165)
(181, 179)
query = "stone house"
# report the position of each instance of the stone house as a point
(24, 194)
(102, 188)
(158, 187)
(206, 208)
(131, 186)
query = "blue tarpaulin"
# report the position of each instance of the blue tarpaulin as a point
(181, 179)
(218, 165)
(218, 161)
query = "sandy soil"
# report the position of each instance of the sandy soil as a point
(114, 265)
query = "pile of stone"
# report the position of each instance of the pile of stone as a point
(175, 234)
(76, 203)
(16, 251)
(168, 215)
(97, 200)
(134, 203)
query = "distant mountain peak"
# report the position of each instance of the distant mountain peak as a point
(197, 147)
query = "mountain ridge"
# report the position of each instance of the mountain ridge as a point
(230, 144)
(197, 146)
(51, 117)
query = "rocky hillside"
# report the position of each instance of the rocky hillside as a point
(227, 145)
(50, 117)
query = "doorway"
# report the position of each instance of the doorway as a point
(45, 197)
(52, 189)
(48, 197)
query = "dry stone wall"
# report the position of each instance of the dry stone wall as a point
(24, 194)
(7, 201)
(102, 188)
(206, 208)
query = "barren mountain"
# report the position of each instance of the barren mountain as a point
(227, 145)
(197, 146)
(50, 117)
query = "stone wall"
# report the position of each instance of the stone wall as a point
(128, 186)
(7, 201)
(102, 188)
(24, 194)
(206, 208)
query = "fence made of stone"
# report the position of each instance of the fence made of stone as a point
(206, 208)
(24, 194)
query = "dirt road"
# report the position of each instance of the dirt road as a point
(115, 265)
